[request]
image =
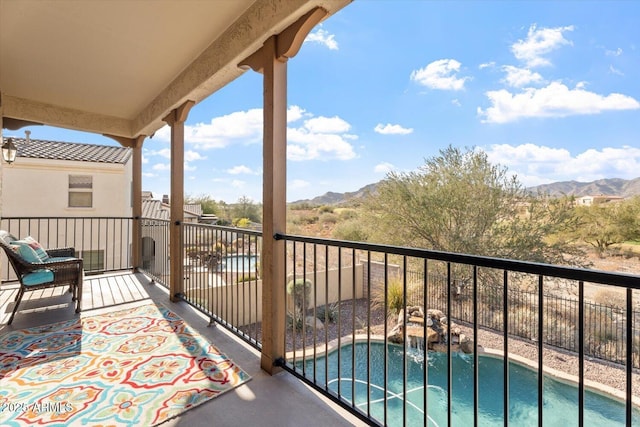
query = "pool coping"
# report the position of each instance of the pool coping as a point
(564, 377)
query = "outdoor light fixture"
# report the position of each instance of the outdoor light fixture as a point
(9, 151)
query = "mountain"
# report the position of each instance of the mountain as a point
(608, 186)
(331, 198)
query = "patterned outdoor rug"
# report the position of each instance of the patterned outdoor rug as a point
(135, 367)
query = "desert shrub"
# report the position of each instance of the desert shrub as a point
(302, 206)
(560, 332)
(523, 322)
(350, 230)
(326, 209)
(247, 277)
(610, 297)
(305, 218)
(294, 321)
(300, 290)
(394, 297)
(328, 312)
(347, 214)
(328, 218)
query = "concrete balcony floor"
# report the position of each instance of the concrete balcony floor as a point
(279, 400)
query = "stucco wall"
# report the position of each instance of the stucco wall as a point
(38, 187)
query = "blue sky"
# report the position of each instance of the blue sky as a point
(550, 90)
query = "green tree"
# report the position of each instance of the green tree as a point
(246, 208)
(209, 205)
(605, 224)
(460, 202)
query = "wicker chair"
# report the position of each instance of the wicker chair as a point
(61, 269)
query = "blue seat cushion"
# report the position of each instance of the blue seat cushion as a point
(37, 277)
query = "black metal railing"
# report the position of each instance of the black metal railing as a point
(604, 324)
(104, 243)
(222, 277)
(155, 249)
(345, 298)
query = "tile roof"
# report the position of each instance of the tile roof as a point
(153, 209)
(156, 209)
(57, 150)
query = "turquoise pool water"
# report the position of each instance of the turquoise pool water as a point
(560, 399)
(238, 263)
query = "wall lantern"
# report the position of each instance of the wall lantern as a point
(9, 151)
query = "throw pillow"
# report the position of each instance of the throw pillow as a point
(27, 252)
(44, 256)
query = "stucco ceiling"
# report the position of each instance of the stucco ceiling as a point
(118, 67)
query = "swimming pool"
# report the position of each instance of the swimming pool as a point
(238, 263)
(560, 399)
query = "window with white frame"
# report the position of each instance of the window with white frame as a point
(80, 191)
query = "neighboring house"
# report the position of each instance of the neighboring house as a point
(155, 243)
(57, 179)
(160, 209)
(594, 200)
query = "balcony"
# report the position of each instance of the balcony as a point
(483, 308)
(266, 400)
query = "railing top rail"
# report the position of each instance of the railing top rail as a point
(224, 228)
(571, 273)
(29, 218)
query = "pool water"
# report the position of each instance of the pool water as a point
(560, 399)
(238, 263)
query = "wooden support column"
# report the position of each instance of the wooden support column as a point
(271, 60)
(136, 243)
(136, 195)
(176, 120)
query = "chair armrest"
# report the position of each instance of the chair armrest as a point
(61, 252)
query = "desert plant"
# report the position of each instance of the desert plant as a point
(610, 297)
(393, 300)
(294, 321)
(300, 290)
(328, 312)
(328, 218)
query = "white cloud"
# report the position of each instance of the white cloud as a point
(616, 52)
(238, 127)
(519, 77)
(327, 125)
(383, 167)
(295, 113)
(191, 155)
(390, 129)
(315, 138)
(440, 74)
(554, 100)
(539, 42)
(161, 167)
(189, 167)
(297, 184)
(456, 102)
(149, 174)
(487, 65)
(165, 152)
(322, 37)
(241, 169)
(538, 164)
(236, 183)
(305, 145)
(614, 70)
